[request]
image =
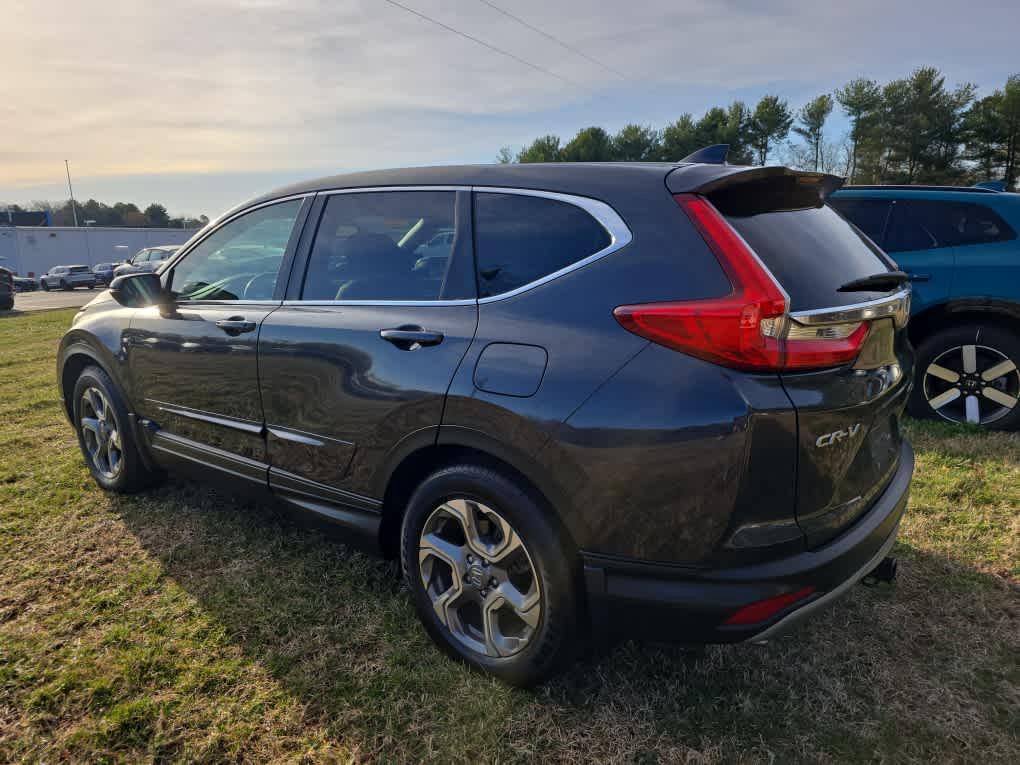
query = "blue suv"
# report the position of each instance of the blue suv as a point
(960, 247)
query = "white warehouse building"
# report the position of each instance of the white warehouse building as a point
(34, 250)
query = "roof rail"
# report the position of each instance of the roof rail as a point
(709, 155)
(991, 185)
(919, 187)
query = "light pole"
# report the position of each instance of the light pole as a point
(74, 210)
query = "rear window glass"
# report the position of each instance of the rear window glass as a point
(812, 252)
(79, 269)
(520, 239)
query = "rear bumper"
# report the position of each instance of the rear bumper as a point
(691, 604)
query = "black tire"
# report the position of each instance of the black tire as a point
(994, 343)
(552, 643)
(7, 305)
(65, 286)
(44, 286)
(132, 475)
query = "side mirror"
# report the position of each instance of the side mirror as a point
(138, 290)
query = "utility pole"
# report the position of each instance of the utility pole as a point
(74, 210)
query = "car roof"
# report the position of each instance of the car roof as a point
(953, 193)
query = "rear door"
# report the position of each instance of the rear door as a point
(987, 253)
(362, 352)
(849, 416)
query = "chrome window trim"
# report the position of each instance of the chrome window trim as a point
(896, 306)
(619, 235)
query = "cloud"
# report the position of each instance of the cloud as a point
(128, 88)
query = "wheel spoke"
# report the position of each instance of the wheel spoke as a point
(464, 512)
(943, 374)
(453, 554)
(969, 359)
(944, 398)
(90, 424)
(996, 395)
(973, 410)
(1000, 369)
(446, 604)
(525, 605)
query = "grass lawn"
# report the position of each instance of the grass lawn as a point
(181, 624)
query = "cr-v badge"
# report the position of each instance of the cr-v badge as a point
(836, 436)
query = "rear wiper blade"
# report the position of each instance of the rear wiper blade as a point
(883, 282)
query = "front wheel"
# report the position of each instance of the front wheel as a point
(969, 374)
(489, 574)
(45, 286)
(105, 436)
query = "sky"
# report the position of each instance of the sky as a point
(200, 105)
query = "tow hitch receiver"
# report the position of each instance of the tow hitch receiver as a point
(883, 572)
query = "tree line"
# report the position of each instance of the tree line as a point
(912, 130)
(117, 214)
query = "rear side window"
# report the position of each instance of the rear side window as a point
(869, 215)
(812, 252)
(519, 239)
(977, 224)
(386, 245)
(79, 269)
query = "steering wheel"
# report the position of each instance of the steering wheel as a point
(268, 276)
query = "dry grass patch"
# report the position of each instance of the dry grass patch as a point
(184, 625)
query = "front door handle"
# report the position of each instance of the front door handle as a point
(918, 277)
(411, 338)
(236, 325)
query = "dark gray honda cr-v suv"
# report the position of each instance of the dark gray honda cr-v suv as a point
(658, 396)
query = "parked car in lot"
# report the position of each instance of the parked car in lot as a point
(960, 247)
(662, 399)
(25, 284)
(67, 278)
(6, 289)
(147, 259)
(104, 272)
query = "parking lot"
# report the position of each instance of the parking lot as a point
(26, 302)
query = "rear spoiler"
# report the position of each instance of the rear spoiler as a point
(754, 189)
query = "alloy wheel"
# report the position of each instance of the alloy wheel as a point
(479, 577)
(100, 433)
(974, 384)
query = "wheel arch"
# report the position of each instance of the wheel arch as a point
(954, 313)
(74, 357)
(452, 445)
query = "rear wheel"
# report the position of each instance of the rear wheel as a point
(7, 305)
(105, 436)
(488, 574)
(64, 285)
(969, 374)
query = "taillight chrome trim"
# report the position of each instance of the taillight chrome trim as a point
(895, 306)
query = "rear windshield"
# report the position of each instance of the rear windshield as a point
(812, 252)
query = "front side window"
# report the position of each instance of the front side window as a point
(520, 239)
(382, 245)
(239, 261)
(914, 226)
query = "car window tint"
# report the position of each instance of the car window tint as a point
(869, 215)
(912, 227)
(978, 224)
(239, 261)
(386, 245)
(520, 238)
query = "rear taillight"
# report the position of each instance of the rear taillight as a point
(751, 327)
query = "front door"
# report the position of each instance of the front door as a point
(195, 366)
(364, 353)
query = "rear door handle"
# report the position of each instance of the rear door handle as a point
(411, 338)
(236, 325)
